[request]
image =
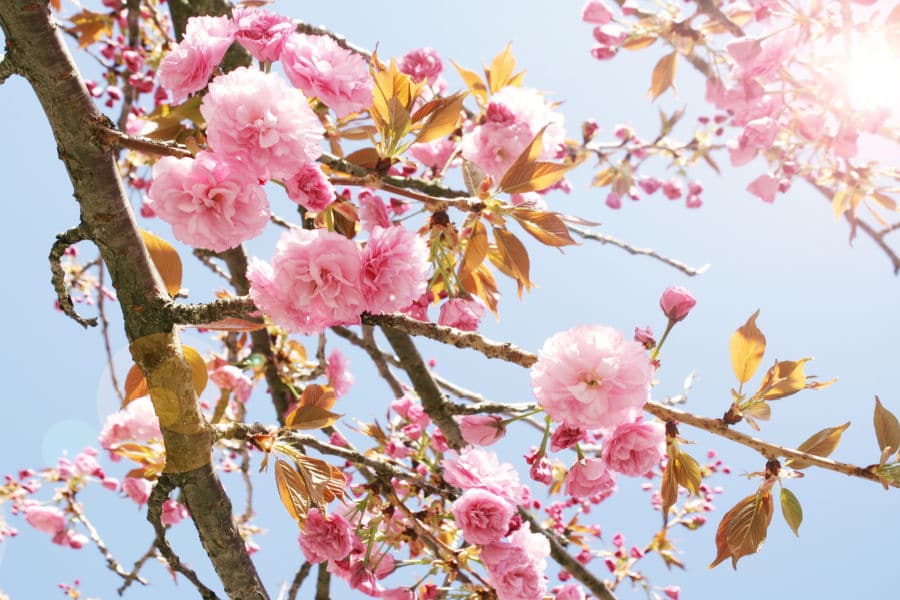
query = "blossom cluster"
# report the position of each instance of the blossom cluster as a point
(319, 278)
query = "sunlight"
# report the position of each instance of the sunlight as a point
(869, 73)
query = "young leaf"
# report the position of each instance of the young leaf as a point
(501, 70)
(166, 261)
(320, 396)
(887, 429)
(474, 82)
(547, 228)
(743, 529)
(668, 490)
(292, 490)
(821, 443)
(687, 472)
(311, 417)
(473, 176)
(748, 345)
(443, 117)
(783, 379)
(791, 509)
(663, 75)
(336, 485)
(514, 257)
(476, 250)
(135, 385)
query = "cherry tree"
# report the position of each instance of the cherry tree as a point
(380, 191)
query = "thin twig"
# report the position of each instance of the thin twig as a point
(104, 329)
(368, 344)
(767, 449)
(454, 337)
(339, 39)
(426, 186)
(111, 562)
(138, 564)
(205, 257)
(491, 407)
(301, 575)
(433, 202)
(323, 582)
(58, 277)
(113, 138)
(158, 496)
(608, 239)
(711, 9)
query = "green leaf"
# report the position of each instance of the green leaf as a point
(791, 509)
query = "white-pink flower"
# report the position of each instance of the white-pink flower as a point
(338, 374)
(635, 448)
(421, 64)
(229, 377)
(138, 489)
(47, 519)
(462, 314)
(325, 537)
(591, 376)
(373, 212)
(394, 269)
(483, 516)
(211, 201)
(320, 67)
(257, 118)
(189, 64)
(590, 477)
(136, 422)
(482, 430)
(515, 569)
(262, 33)
(474, 467)
(313, 282)
(310, 188)
(173, 512)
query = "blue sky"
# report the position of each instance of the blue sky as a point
(818, 297)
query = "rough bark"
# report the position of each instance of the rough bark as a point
(36, 48)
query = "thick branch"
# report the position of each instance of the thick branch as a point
(282, 396)
(433, 401)
(450, 335)
(58, 275)
(7, 69)
(565, 560)
(608, 239)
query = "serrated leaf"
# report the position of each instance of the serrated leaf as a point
(791, 509)
(668, 490)
(336, 486)
(317, 395)
(743, 529)
(639, 42)
(311, 417)
(501, 70)
(821, 443)
(476, 250)
(166, 260)
(546, 227)
(292, 490)
(366, 158)
(687, 472)
(526, 174)
(663, 76)
(783, 379)
(747, 347)
(514, 257)
(90, 27)
(481, 283)
(887, 429)
(473, 176)
(442, 118)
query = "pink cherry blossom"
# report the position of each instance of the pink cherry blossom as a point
(320, 67)
(310, 188)
(262, 33)
(764, 187)
(189, 64)
(229, 377)
(173, 512)
(482, 430)
(591, 376)
(47, 519)
(394, 269)
(462, 314)
(635, 448)
(373, 212)
(565, 436)
(338, 376)
(421, 64)
(433, 154)
(313, 282)
(418, 309)
(474, 467)
(514, 571)
(483, 516)
(325, 537)
(211, 201)
(596, 12)
(590, 477)
(138, 489)
(676, 302)
(136, 422)
(257, 118)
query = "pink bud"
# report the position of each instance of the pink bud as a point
(482, 430)
(676, 302)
